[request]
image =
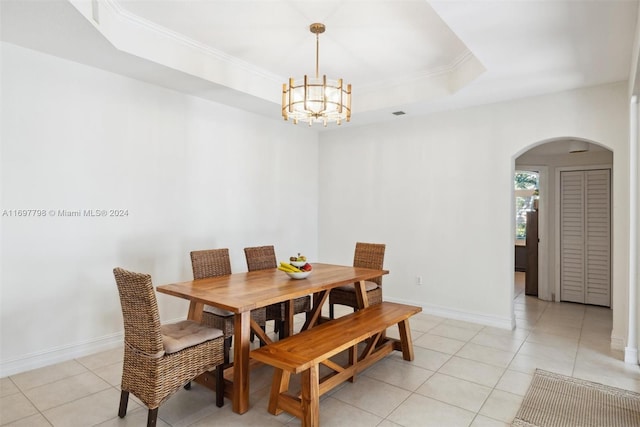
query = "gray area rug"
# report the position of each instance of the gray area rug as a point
(555, 400)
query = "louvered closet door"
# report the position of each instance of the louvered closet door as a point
(572, 236)
(598, 237)
(585, 233)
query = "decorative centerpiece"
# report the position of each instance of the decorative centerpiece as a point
(297, 267)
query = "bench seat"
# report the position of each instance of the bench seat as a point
(304, 352)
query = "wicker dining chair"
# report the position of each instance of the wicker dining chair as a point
(215, 263)
(262, 258)
(367, 255)
(159, 359)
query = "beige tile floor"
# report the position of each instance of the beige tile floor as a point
(463, 375)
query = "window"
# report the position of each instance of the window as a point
(526, 191)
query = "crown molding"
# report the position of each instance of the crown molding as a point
(164, 32)
(140, 37)
(131, 34)
(454, 67)
(435, 84)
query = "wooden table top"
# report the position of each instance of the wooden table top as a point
(240, 292)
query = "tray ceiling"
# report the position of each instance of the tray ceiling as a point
(415, 56)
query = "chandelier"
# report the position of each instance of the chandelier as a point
(315, 99)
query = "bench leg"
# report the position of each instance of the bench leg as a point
(310, 397)
(353, 359)
(405, 340)
(280, 384)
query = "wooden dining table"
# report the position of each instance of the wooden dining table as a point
(242, 292)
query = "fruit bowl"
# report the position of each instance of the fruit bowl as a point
(298, 263)
(300, 275)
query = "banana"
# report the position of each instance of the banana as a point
(288, 267)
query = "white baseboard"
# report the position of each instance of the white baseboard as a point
(631, 355)
(617, 343)
(63, 353)
(482, 319)
(59, 354)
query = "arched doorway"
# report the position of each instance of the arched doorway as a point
(550, 159)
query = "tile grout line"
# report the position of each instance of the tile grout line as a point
(507, 368)
(553, 314)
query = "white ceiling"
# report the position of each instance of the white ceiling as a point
(415, 56)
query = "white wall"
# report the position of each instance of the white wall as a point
(192, 175)
(439, 191)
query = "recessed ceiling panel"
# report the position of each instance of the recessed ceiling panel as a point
(366, 43)
(416, 56)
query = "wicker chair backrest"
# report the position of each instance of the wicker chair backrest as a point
(139, 311)
(210, 263)
(260, 258)
(370, 255)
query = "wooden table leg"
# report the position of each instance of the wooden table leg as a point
(363, 301)
(318, 301)
(260, 333)
(242, 328)
(195, 311)
(361, 294)
(288, 318)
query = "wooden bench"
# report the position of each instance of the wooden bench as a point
(303, 353)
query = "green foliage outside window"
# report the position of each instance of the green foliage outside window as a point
(524, 181)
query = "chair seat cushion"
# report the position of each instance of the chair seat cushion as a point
(187, 333)
(218, 311)
(368, 286)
